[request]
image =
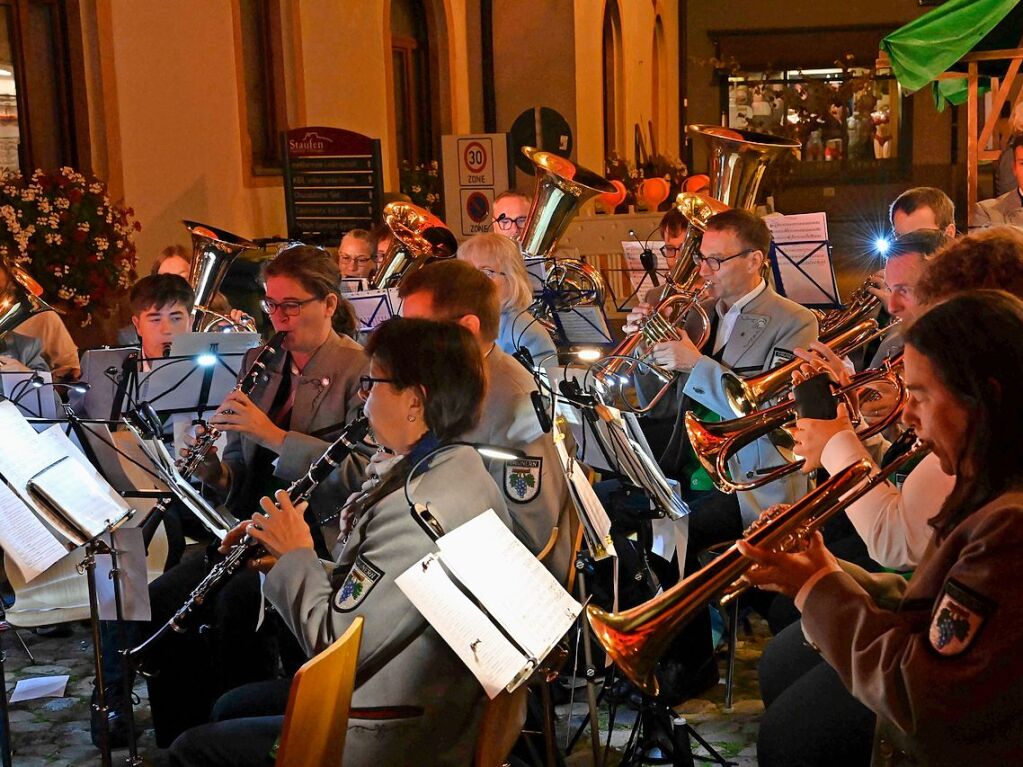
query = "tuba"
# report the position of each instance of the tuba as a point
(561, 189)
(635, 639)
(213, 252)
(419, 238)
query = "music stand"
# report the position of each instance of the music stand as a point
(25, 389)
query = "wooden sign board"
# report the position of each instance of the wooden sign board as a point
(332, 183)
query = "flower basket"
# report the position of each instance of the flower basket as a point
(62, 228)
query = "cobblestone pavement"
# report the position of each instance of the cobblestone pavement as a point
(55, 731)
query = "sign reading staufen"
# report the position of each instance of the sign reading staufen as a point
(332, 183)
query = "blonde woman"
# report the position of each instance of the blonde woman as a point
(499, 258)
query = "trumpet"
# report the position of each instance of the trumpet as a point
(717, 443)
(197, 453)
(615, 372)
(247, 547)
(635, 639)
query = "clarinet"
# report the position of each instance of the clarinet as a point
(188, 463)
(248, 547)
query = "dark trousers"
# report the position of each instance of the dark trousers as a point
(220, 650)
(244, 727)
(810, 718)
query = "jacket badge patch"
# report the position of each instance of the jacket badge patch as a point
(356, 587)
(780, 356)
(522, 479)
(958, 619)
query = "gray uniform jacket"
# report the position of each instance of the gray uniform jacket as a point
(764, 335)
(520, 328)
(428, 703)
(25, 349)
(937, 658)
(534, 487)
(999, 210)
(327, 394)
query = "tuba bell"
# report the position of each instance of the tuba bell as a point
(20, 300)
(419, 238)
(213, 252)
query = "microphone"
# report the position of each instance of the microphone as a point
(647, 259)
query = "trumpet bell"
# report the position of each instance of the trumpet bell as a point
(561, 189)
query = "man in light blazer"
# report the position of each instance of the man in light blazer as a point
(1007, 209)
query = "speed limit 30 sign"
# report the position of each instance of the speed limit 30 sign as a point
(476, 162)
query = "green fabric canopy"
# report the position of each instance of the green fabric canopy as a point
(931, 44)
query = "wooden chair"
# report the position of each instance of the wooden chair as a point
(316, 720)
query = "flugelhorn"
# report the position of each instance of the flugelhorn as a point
(213, 252)
(745, 395)
(635, 639)
(419, 238)
(715, 443)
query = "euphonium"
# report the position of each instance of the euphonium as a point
(748, 394)
(247, 547)
(213, 252)
(188, 463)
(715, 443)
(615, 373)
(419, 237)
(18, 302)
(635, 639)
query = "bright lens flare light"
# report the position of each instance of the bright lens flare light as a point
(206, 360)
(588, 355)
(882, 245)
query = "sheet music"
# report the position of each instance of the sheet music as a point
(371, 307)
(71, 489)
(596, 522)
(24, 538)
(633, 251)
(60, 442)
(484, 650)
(510, 583)
(584, 325)
(801, 259)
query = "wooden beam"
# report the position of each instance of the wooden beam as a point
(997, 101)
(1007, 53)
(971, 142)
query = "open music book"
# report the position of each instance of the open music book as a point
(517, 611)
(54, 499)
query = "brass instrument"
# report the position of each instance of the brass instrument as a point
(614, 374)
(197, 453)
(635, 639)
(419, 238)
(748, 394)
(19, 301)
(862, 304)
(561, 189)
(716, 443)
(697, 210)
(213, 252)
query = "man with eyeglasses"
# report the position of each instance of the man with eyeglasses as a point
(511, 209)
(356, 255)
(752, 329)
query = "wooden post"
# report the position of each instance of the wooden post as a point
(971, 142)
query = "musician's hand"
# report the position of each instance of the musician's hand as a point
(777, 571)
(239, 317)
(879, 404)
(233, 536)
(822, 358)
(283, 528)
(812, 434)
(636, 317)
(210, 471)
(677, 355)
(238, 413)
(878, 288)
(346, 520)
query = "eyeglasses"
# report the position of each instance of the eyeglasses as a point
(670, 251)
(715, 263)
(345, 258)
(491, 273)
(288, 308)
(366, 384)
(505, 223)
